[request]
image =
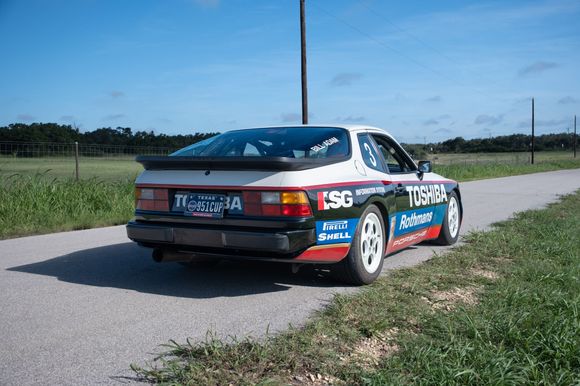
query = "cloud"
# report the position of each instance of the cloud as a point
(345, 79)
(567, 100)
(444, 116)
(113, 117)
(67, 118)
(522, 100)
(25, 117)
(207, 3)
(351, 119)
(485, 119)
(536, 68)
(290, 117)
(116, 94)
(434, 99)
(539, 122)
(294, 117)
(430, 122)
(443, 130)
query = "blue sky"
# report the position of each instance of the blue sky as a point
(420, 69)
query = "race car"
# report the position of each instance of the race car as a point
(345, 196)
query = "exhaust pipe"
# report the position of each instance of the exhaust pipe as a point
(162, 256)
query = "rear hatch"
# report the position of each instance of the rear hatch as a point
(236, 198)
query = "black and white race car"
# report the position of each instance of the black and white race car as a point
(341, 195)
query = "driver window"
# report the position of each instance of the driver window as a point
(397, 161)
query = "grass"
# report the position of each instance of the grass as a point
(40, 195)
(107, 169)
(501, 309)
(478, 171)
(31, 204)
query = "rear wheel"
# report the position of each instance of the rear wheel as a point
(364, 261)
(450, 228)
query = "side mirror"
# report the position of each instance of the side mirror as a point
(425, 167)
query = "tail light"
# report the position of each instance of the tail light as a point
(276, 204)
(152, 199)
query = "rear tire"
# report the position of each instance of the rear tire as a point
(451, 222)
(364, 261)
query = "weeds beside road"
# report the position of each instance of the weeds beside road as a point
(501, 309)
(36, 204)
(33, 203)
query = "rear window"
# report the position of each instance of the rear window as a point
(292, 142)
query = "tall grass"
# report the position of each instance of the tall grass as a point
(478, 171)
(31, 204)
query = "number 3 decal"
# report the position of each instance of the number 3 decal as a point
(373, 160)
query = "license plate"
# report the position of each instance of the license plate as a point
(234, 204)
(205, 205)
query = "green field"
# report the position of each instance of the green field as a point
(502, 309)
(456, 166)
(486, 158)
(108, 169)
(40, 195)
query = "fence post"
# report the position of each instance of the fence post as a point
(77, 160)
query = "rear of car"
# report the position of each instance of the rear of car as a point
(227, 196)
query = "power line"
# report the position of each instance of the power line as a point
(417, 39)
(398, 52)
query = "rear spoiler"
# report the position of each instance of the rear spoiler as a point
(234, 163)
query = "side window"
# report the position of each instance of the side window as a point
(369, 153)
(395, 158)
(250, 150)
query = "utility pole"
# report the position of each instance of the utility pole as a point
(575, 140)
(532, 131)
(303, 63)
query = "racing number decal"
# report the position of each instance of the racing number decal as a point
(372, 158)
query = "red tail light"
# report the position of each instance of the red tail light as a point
(276, 204)
(152, 199)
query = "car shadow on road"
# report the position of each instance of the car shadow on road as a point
(130, 267)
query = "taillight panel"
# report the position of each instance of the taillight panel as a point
(276, 204)
(153, 199)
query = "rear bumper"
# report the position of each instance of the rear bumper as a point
(175, 236)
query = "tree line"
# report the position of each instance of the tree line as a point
(124, 136)
(119, 136)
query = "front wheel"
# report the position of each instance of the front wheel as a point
(364, 261)
(450, 228)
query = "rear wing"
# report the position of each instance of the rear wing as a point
(235, 163)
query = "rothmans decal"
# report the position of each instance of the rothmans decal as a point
(426, 195)
(335, 231)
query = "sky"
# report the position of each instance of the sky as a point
(423, 70)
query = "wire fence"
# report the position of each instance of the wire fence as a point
(54, 150)
(81, 160)
(72, 160)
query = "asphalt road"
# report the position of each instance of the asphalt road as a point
(79, 307)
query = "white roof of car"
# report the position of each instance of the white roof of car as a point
(342, 126)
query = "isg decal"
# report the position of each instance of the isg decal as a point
(426, 195)
(335, 231)
(334, 199)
